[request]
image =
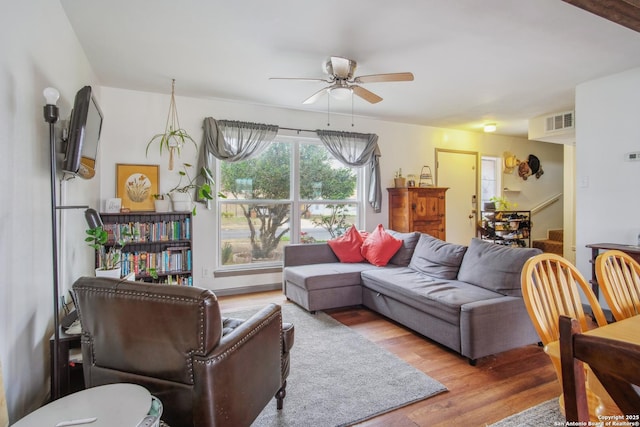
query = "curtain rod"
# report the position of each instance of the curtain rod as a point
(298, 130)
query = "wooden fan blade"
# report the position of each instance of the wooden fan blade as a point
(390, 77)
(313, 98)
(366, 94)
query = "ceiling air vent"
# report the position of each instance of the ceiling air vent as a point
(559, 121)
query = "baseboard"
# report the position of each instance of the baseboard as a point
(248, 289)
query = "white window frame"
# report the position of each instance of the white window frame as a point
(294, 200)
(497, 178)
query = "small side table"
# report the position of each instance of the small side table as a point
(121, 405)
(596, 248)
(70, 374)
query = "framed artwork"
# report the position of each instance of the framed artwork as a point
(135, 185)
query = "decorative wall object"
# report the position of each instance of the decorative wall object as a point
(529, 167)
(510, 162)
(135, 185)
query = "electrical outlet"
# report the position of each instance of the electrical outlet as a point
(633, 156)
(205, 272)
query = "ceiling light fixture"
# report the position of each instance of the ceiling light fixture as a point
(490, 127)
(341, 92)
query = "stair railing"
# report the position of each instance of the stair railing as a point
(546, 203)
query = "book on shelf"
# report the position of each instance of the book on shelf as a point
(147, 232)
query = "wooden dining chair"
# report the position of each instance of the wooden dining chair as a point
(551, 288)
(616, 364)
(618, 276)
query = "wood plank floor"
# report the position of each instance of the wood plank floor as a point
(499, 386)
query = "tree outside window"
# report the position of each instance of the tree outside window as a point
(256, 216)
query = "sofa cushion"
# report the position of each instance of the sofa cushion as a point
(437, 258)
(347, 247)
(329, 275)
(495, 267)
(380, 246)
(440, 298)
(404, 254)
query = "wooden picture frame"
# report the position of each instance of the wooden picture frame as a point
(136, 184)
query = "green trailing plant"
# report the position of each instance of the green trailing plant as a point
(203, 191)
(109, 259)
(502, 204)
(174, 137)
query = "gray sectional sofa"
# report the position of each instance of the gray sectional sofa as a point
(466, 298)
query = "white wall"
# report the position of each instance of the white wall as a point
(132, 117)
(607, 198)
(39, 49)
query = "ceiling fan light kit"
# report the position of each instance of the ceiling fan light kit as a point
(490, 127)
(343, 84)
(340, 92)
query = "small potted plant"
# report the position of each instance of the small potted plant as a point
(108, 259)
(502, 204)
(399, 180)
(161, 202)
(182, 194)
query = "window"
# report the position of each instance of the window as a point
(491, 178)
(292, 175)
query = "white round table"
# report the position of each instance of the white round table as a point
(111, 405)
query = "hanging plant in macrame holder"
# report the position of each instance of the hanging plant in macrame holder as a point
(174, 137)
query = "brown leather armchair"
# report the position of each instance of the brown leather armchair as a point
(207, 370)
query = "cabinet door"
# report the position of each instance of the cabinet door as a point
(426, 206)
(432, 228)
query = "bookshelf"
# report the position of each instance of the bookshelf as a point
(158, 241)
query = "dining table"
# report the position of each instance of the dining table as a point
(627, 330)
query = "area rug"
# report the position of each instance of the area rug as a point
(338, 377)
(546, 414)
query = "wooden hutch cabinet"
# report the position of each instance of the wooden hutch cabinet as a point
(418, 209)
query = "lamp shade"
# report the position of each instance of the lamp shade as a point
(93, 218)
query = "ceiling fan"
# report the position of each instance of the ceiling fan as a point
(342, 82)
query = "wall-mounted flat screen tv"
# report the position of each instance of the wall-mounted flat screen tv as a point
(84, 134)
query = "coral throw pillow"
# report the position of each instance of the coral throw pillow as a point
(347, 247)
(380, 246)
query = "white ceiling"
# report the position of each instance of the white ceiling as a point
(503, 61)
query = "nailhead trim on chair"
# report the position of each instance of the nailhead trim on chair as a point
(149, 296)
(222, 356)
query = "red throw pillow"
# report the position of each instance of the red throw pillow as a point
(347, 246)
(380, 246)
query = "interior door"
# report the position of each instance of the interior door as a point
(458, 170)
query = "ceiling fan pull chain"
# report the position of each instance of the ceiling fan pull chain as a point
(328, 109)
(352, 108)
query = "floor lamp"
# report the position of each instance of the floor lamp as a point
(51, 116)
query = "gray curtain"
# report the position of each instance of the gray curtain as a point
(357, 149)
(233, 141)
